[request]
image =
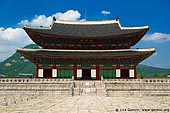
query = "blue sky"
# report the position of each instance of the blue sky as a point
(14, 14)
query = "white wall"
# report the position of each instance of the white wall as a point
(131, 73)
(40, 72)
(93, 73)
(118, 74)
(79, 72)
(54, 72)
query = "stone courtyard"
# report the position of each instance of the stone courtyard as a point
(84, 104)
(68, 96)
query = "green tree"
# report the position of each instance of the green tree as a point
(155, 75)
(141, 74)
(163, 75)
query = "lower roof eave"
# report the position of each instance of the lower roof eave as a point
(86, 51)
(123, 53)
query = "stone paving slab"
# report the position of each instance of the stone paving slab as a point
(86, 104)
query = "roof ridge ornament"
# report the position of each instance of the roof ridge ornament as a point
(54, 19)
(117, 18)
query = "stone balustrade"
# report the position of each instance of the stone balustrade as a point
(147, 80)
(150, 86)
(35, 86)
(159, 86)
(32, 80)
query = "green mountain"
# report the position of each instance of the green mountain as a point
(18, 65)
(149, 71)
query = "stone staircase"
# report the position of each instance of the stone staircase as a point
(99, 87)
(88, 88)
(76, 88)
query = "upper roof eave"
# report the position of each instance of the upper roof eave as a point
(86, 23)
(35, 27)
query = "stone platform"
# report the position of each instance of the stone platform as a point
(23, 95)
(69, 87)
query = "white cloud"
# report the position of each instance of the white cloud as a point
(157, 37)
(40, 20)
(11, 39)
(15, 36)
(43, 20)
(104, 12)
(68, 15)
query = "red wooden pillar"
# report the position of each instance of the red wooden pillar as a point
(135, 72)
(36, 70)
(97, 72)
(75, 71)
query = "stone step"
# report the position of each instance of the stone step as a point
(88, 88)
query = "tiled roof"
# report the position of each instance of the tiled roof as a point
(86, 29)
